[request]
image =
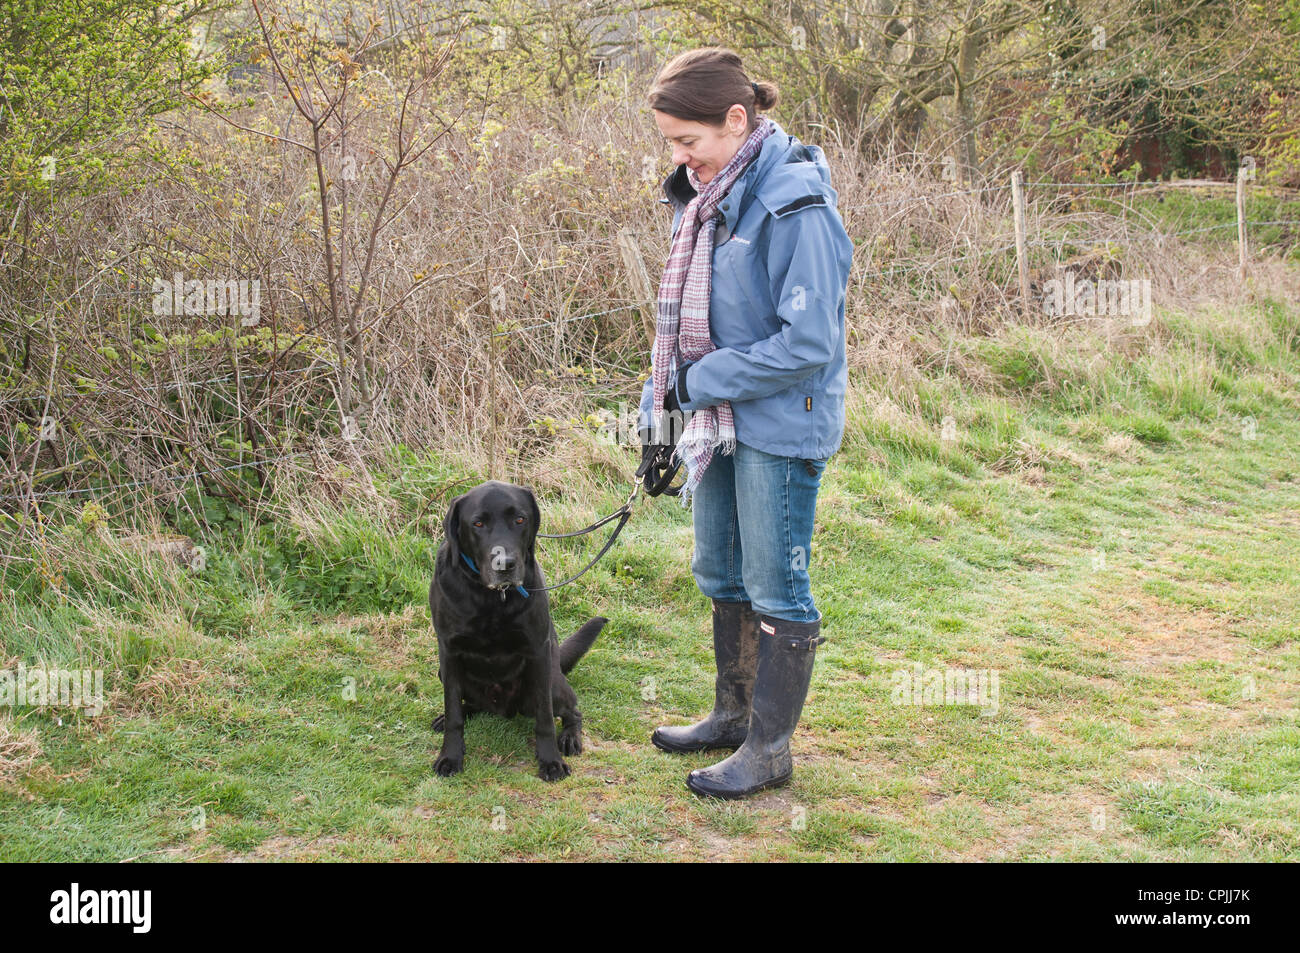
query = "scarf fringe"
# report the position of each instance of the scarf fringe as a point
(721, 444)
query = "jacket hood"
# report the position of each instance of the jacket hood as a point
(784, 171)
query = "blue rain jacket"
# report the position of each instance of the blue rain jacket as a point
(781, 262)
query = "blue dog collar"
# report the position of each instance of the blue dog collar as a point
(522, 591)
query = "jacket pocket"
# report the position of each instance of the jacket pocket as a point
(742, 268)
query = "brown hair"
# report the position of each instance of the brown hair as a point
(701, 85)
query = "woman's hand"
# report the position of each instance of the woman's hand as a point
(677, 393)
(656, 466)
(656, 458)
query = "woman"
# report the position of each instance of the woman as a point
(749, 357)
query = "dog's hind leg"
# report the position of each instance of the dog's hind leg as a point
(550, 763)
(570, 739)
(440, 720)
(565, 703)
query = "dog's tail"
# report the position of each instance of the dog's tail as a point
(576, 645)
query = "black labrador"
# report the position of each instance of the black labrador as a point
(497, 647)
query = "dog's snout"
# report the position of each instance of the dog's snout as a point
(503, 558)
(505, 567)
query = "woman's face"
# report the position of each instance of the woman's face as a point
(704, 148)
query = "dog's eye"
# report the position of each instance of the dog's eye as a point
(519, 520)
(478, 522)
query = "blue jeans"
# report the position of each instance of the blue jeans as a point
(753, 516)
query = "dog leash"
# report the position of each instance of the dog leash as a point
(657, 464)
(663, 469)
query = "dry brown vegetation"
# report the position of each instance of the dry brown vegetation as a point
(439, 269)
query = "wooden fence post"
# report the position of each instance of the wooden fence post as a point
(639, 280)
(1241, 221)
(1022, 258)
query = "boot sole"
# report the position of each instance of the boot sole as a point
(731, 795)
(671, 748)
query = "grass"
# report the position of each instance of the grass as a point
(1114, 531)
(1211, 216)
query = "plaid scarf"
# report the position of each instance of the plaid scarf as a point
(682, 326)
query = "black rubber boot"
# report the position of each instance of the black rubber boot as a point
(785, 661)
(735, 650)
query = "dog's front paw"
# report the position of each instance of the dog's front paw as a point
(439, 721)
(447, 765)
(570, 741)
(552, 770)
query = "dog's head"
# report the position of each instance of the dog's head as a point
(495, 525)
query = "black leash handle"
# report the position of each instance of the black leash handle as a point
(661, 465)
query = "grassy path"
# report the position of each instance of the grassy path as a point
(1126, 560)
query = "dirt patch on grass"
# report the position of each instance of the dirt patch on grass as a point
(1144, 632)
(291, 848)
(171, 685)
(1147, 765)
(1051, 824)
(395, 635)
(1288, 518)
(1041, 724)
(19, 752)
(710, 847)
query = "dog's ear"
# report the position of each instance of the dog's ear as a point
(451, 528)
(534, 525)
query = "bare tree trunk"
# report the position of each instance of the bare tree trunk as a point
(967, 60)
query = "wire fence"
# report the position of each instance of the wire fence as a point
(914, 267)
